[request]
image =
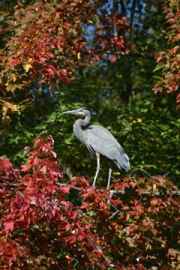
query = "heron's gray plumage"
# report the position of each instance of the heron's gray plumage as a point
(103, 142)
(99, 141)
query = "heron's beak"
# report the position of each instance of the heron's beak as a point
(71, 112)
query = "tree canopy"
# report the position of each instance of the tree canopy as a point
(119, 59)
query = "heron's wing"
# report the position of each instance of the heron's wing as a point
(100, 140)
(98, 135)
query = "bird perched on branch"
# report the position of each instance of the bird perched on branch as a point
(99, 141)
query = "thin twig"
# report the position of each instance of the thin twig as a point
(142, 170)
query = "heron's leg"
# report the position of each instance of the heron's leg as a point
(97, 169)
(109, 177)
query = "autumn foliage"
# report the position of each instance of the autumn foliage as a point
(42, 227)
(45, 43)
(168, 60)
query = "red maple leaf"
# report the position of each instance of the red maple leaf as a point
(9, 225)
(14, 62)
(65, 189)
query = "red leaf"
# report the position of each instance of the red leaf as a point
(14, 62)
(112, 59)
(121, 186)
(66, 226)
(49, 55)
(49, 70)
(159, 57)
(178, 98)
(84, 182)
(51, 66)
(140, 266)
(25, 167)
(140, 190)
(9, 225)
(96, 56)
(157, 89)
(65, 203)
(86, 195)
(65, 190)
(128, 47)
(116, 202)
(67, 25)
(73, 215)
(154, 201)
(71, 239)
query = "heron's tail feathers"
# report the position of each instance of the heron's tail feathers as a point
(122, 162)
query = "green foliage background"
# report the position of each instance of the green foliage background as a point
(148, 129)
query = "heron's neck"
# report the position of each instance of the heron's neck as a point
(79, 132)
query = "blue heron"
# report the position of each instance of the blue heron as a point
(99, 141)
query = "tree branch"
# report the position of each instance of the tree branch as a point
(131, 192)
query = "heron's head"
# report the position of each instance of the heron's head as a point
(81, 112)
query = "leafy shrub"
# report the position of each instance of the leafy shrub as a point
(133, 225)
